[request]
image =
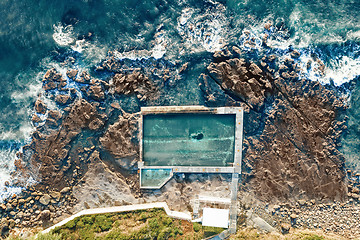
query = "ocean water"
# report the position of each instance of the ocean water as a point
(37, 35)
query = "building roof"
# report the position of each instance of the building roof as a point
(215, 217)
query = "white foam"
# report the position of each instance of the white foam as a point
(63, 35)
(203, 30)
(31, 92)
(250, 41)
(353, 35)
(93, 53)
(23, 133)
(7, 158)
(186, 14)
(157, 51)
(342, 70)
(339, 70)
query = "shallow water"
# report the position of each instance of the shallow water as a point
(37, 35)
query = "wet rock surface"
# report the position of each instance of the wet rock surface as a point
(119, 137)
(292, 129)
(62, 145)
(52, 149)
(286, 163)
(134, 83)
(243, 79)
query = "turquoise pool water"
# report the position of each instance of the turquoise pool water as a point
(188, 139)
(154, 177)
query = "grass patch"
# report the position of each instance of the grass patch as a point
(141, 224)
(249, 233)
(312, 237)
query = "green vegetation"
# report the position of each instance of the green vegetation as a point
(156, 224)
(144, 224)
(49, 236)
(296, 234)
(312, 237)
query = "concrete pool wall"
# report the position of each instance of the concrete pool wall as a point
(234, 167)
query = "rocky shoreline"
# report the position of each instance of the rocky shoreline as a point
(291, 142)
(334, 217)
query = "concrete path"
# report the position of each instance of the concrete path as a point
(126, 208)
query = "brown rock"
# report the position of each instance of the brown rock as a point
(295, 54)
(9, 207)
(280, 155)
(84, 78)
(267, 26)
(35, 118)
(355, 190)
(63, 99)
(222, 55)
(96, 124)
(50, 86)
(285, 228)
(135, 83)
(96, 91)
(245, 80)
(56, 115)
(355, 196)
(51, 123)
(117, 139)
(45, 215)
(65, 190)
(52, 148)
(20, 215)
(51, 79)
(62, 84)
(55, 195)
(45, 199)
(184, 67)
(11, 223)
(115, 105)
(40, 106)
(52, 75)
(4, 222)
(21, 201)
(71, 73)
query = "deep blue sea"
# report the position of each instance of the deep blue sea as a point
(36, 34)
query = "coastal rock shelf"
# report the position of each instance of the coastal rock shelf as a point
(89, 138)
